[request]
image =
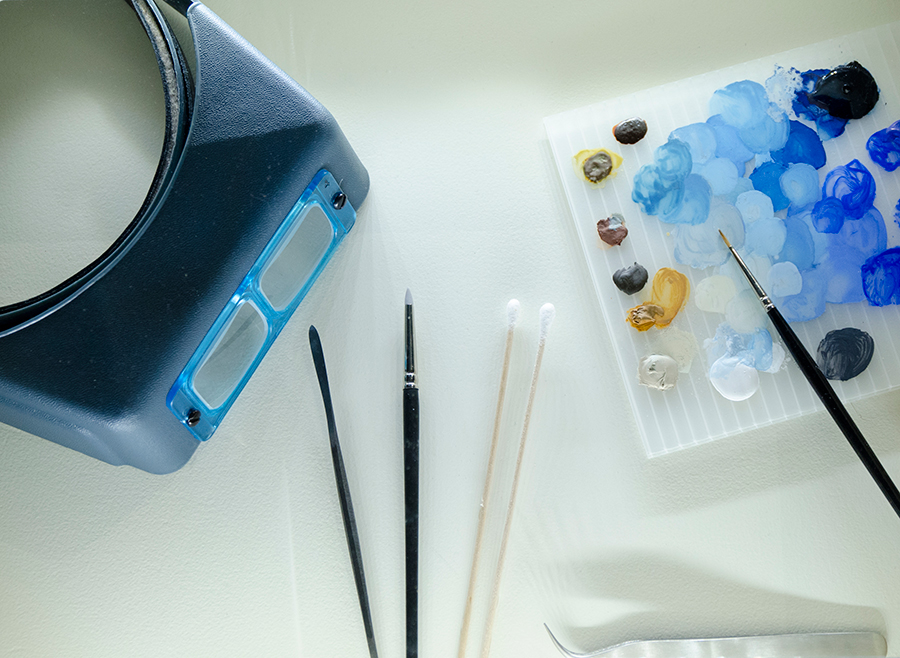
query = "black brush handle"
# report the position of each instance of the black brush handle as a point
(411, 498)
(836, 408)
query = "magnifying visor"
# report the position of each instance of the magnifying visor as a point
(137, 358)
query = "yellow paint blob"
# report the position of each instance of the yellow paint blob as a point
(667, 297)
(597, 165)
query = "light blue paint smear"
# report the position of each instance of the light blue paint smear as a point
(803, 145)
(853, 186)
(694, 206)
(842, 273)
(867, 235)
(754, 206)
(809, 303)
(800, 184)
(659, 187)
(884, 147)
(720, 173)
(753, 349)
(881, 278)
(700, 139)
(798, 247)
(765, 237)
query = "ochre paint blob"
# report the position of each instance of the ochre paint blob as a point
(630, 279)
(597, 165)
(630, 131)
(667, 297)
(846, 92)
(612, 229)
(658, 371)
(845, 353)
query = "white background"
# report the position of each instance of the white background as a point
(242, 552)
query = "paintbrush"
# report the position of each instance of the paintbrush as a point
(822, 388)
(343, 487)
(411, 482)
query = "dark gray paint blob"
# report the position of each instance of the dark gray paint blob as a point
(630, 131)
(844, 353)
(598, 166)
(630, 279)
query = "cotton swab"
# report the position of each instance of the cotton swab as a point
(512, 314)
(547, 313)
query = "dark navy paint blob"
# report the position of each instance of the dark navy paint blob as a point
(845, 353)
(846, 92)
(853, 185)
(630, 279)
(881, 278)
(767, 179)
(884, 147)
(803, 145)
(827, 125)
(630, 131)
(828, 215)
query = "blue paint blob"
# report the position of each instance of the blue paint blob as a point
(853, 185)
(867, 235)
(828, 215)
(694, 206)
(753, 206)
(729, 144)
(810, 302)
(721, 174)
(841, 271)
(798, 245)
(784, 279)
(654, 193)
(767, 179)
(753, 349)
(800, 184)
(761, 126)
(827, 125)
(884, 147)
(803, 145)
(765, 237)
(674, 160)
(700, 245)
(881, 278)
(700, 139)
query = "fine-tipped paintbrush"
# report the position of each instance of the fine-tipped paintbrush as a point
(343, 487)
(822, 388)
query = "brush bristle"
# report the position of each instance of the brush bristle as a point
(512, 312)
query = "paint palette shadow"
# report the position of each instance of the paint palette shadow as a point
(693, 412)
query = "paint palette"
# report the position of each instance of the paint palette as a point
(693, 411)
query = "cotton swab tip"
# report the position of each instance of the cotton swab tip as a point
(512, 312)
(548, 311)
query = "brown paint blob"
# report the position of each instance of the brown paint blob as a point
(668, 294)
(612, 229)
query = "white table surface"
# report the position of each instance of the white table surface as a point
(242, 552)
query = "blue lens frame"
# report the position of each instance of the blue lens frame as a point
(201, 412)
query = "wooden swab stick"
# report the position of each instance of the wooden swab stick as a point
(512, 312)
(547, 313)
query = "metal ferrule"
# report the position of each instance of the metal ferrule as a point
(409, 380)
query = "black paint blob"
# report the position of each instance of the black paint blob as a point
(846, 92)
(630, 131)
(598, 166)
(844, 353)
(630, 279)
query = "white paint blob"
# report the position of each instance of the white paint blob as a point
(658, 371)
(734, 379)
(713, 293)
(680, 345)
(744, 312)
